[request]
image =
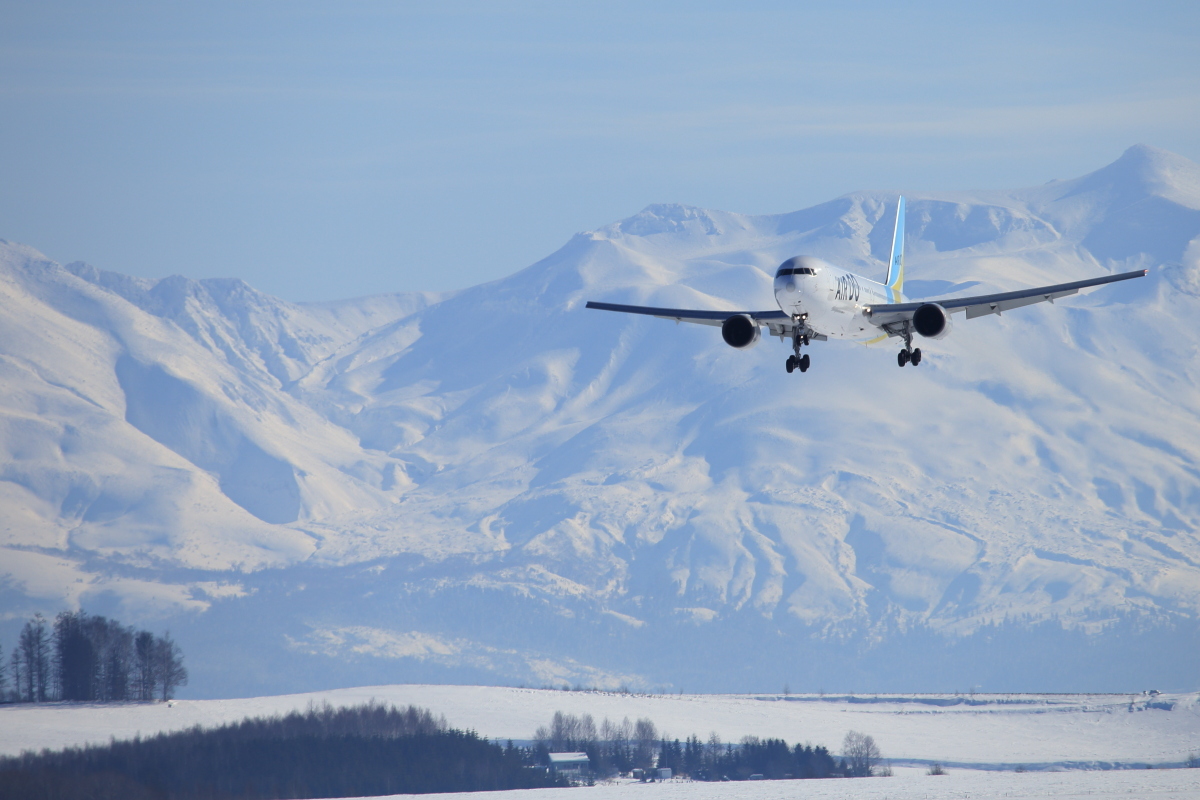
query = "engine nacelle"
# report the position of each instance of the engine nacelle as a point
(740, 331)
(931, 321)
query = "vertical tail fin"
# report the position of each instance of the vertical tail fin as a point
(895, 275)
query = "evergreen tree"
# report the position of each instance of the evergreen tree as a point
(41, 657)
(370, 750)
(145, 663)
(118, 662)
(74, 657)
(99, 659)
(34, 648)
(17, 675)
(99, 633)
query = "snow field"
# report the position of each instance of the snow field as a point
(912, 784)
(997, 732)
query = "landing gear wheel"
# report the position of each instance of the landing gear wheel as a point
(915, 358)
(902, 358)
(791, 364)
(804, 363)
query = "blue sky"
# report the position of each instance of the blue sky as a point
(326, 150)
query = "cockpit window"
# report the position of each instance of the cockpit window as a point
(797, 271)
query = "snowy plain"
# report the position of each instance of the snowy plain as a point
(979, 731)
(906, 784)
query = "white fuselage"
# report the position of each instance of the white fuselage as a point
(833, 298)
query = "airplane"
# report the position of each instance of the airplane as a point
(818, 301)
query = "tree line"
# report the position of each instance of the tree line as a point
(85, 657)
(619, 748)
(367, 750)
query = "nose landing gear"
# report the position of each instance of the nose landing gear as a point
(799, 338)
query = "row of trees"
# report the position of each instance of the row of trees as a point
(90, 658)
(773, 759)
(612, 748)
(619, 748)
(364, 751)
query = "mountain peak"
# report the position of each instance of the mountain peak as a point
(669, 218)
(1143, 157)
(1144, 170)
(1144, 204)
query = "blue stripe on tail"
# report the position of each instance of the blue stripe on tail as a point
(895, 275)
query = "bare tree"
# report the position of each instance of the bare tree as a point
(715, 747)
(615, 733)
(567, 733)
(542, 737)
(169, 667)
(861, 754)
(645, 749)
(587, 731)
(615, 740)
(564, 731)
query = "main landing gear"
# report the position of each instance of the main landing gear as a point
(907, 356)
(910, 354)
(797, 361)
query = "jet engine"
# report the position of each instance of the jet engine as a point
(740, 331)
(931, 321)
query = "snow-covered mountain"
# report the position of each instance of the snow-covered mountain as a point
(500, 485)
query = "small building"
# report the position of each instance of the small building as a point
(571, 765)
(664, 773)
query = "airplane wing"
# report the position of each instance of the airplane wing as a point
(775, 317)
(887, 316)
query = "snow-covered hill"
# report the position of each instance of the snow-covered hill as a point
(975, 731)
(501, 485)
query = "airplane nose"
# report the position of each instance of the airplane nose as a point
(790, 286)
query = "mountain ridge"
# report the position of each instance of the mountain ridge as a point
(218, 445)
